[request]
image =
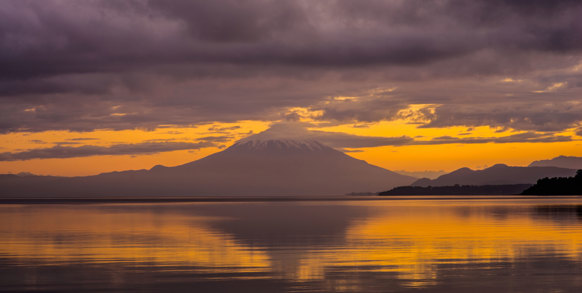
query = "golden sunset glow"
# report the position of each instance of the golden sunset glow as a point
(408, 238)
(464, 99)
(446, 156)
(290, 146)
(431, 235)
(90, 165)
(116, 236)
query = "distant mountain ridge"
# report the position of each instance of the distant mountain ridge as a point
(252, 167)
(510, 189)
(499, 174)
(561, 161)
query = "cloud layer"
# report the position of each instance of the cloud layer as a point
(288, 130)
(120, 65)
(61, 152)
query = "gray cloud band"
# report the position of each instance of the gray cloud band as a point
(62, 152)
(337, 140)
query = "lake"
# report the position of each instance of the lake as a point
(449, 244)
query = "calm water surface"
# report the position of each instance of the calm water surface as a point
(454, 245)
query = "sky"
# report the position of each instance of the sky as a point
(410, 85)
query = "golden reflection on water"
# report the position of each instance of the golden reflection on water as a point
(68, 234)
(409, 239)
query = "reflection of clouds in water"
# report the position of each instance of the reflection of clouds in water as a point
(414, 241)
(76, 234)
(329, 246)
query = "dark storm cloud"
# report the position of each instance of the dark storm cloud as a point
(541, 116)
(370, 109)
(104, 36)
(83, 65)
(550, 106)
(61, 152)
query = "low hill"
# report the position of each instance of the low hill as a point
(458, 190)
(499, 174)
(557, 186)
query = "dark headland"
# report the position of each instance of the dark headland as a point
(557, 186)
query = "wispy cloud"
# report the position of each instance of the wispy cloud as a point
(339, 140)
(552, 87)
(347, 142)
(61, 152)
(530, 137)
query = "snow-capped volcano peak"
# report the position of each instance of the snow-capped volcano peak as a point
(279, 145)
(282, 131)
(289, 137)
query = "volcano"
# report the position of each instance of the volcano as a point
(255, 166)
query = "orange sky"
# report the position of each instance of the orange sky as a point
(457, 92)
(445, 157)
